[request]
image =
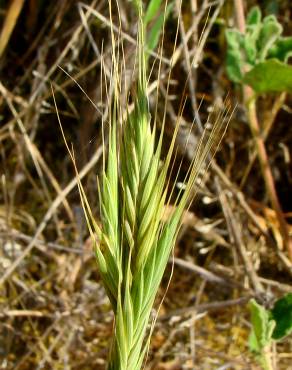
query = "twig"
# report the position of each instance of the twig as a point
(23, 313)
(36, 155)
(205, 274)
(214, 306)
(49, 214)
(236, 234)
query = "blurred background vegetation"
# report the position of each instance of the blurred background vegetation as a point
(54, 313)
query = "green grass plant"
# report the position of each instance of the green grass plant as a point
(132, 244)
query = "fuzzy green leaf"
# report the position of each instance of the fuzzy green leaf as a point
(250, 39)
(254, 16)
(250, 43)
(262, 326)
(270, 32)
(282, 49)
(270, 76)
(234, 60)
(253, 344)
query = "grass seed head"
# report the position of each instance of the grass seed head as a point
(136, 242)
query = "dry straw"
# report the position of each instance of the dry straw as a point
(133, 244)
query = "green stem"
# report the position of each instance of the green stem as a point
(265, 359)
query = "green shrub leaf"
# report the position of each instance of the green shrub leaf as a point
(270, 32)
(270, 76)
(254, 16)
(234, 62)
(253, 342)
(250, 43)
(282, 314)
(262, 327)
(261, 52)
(282, 49)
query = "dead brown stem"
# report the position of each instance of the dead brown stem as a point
(250, 102)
